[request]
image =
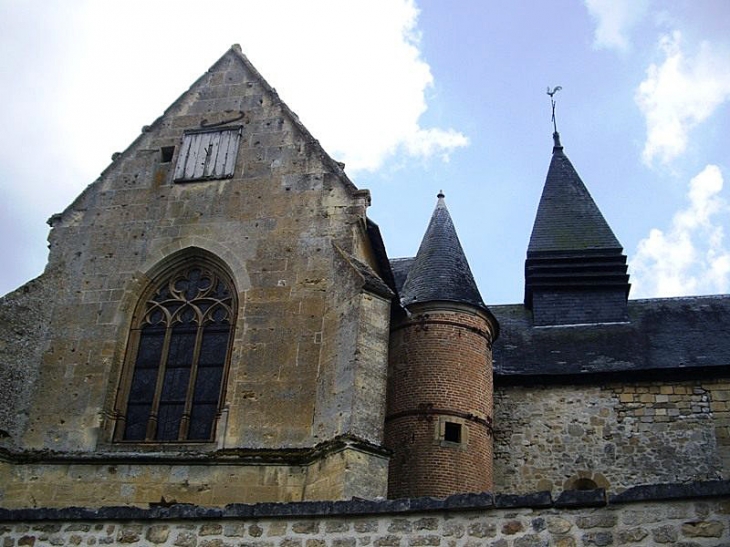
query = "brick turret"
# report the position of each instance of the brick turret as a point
(439, 414)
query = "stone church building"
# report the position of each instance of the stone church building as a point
(219, 326)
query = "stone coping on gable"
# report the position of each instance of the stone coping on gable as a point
(361, 507)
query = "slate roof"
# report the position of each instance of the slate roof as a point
(381, 256)
(572, 247)
(400, 268)
(689, 335)
(440, 270)
(568, 219)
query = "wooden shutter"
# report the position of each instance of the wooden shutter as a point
(208, 155)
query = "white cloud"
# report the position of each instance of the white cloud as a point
(352, 70)
(82, 78)
(428, 142)
(614, 21)
(690, 258)
(679, 94)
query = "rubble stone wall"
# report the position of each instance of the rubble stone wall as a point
(615, 435)
(527, 522)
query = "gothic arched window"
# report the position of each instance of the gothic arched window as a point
(179, 351)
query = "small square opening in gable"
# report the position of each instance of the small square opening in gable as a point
(166, 153)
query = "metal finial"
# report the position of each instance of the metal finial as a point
(440, 195)
(552, 101)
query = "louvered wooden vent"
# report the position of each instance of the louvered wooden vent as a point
(208, 155)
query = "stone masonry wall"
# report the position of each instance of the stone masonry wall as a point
(339, 475)
(273, 225)
(280, 227)
(23, 319)
(469, 522)
(616, 435)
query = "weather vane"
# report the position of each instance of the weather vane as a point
(552, 101)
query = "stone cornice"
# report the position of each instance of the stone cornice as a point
(189, 454)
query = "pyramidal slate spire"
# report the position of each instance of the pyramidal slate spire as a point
(440, 270)
(575, 270)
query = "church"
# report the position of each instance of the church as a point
(219, 323)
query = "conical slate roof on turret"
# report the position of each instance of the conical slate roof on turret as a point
(567, 218)
(440, 270)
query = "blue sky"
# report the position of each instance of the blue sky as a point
(415, 97)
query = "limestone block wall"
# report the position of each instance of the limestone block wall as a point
(343, 473)
(23, 319)
(273, 225)
(279, 226)
(32, 485)
(616, 435)
(351, 379)
(534, 521)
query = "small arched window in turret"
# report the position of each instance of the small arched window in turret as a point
(178, 354)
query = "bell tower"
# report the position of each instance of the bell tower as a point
(440, 390)
(575, 271)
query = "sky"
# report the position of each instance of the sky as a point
(415, 96)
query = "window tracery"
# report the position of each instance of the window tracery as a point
(180, 344)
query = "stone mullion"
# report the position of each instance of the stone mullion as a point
(120, 412)
(226, 366)
(151, 433)
(187, 411)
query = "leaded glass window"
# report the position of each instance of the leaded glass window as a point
(181, 343)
